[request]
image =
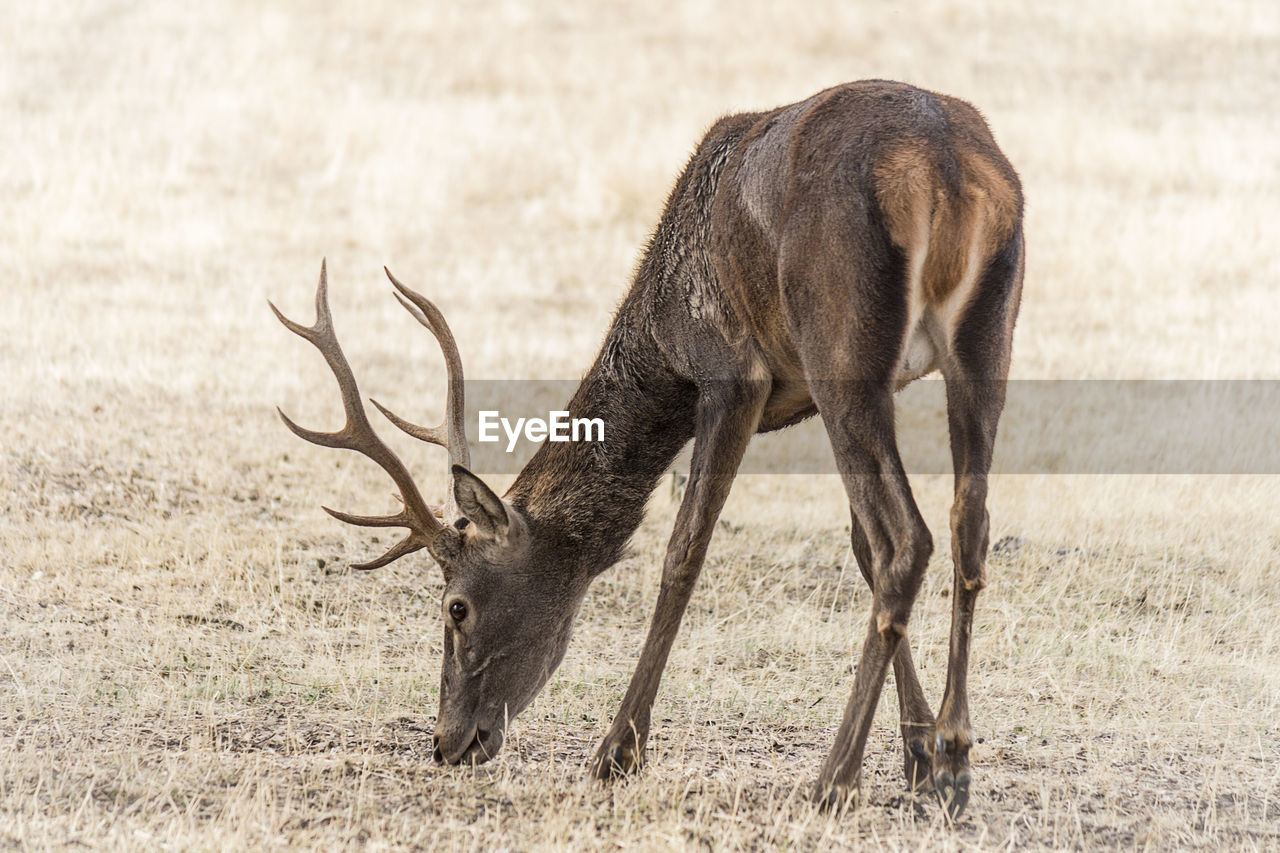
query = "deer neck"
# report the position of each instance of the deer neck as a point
(590, 495)
(593, 494)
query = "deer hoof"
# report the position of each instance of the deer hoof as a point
(613, 761)
(835, 798)
(953, 791)
(951, 774)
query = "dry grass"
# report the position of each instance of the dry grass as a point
(186, 661)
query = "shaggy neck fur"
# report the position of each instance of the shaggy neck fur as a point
(591, 495)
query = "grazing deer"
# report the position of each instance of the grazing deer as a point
(810, 259)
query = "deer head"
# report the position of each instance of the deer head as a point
(506, 626)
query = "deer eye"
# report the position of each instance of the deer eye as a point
(458, 611)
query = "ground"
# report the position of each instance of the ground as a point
(188, 661)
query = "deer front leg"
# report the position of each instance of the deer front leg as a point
(727, 417)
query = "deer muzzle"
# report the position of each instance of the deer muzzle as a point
(466, 745)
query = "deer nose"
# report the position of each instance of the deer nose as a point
(480, 748)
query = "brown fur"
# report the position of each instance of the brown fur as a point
(986, 208)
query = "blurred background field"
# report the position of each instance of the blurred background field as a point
(186, 660)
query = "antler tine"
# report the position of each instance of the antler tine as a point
(358, 435)
(451, 433)
(406, 545)
(397, 520)
(431, 435)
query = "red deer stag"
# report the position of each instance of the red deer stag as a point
(810, 259)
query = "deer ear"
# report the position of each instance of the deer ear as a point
(479, 504)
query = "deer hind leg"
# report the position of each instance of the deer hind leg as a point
(913, 709)
(859, 420)
(975, 374)
(845, 304)
(728, 414)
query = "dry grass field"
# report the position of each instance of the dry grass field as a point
(186, 660)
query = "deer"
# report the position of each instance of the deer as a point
(810, 260)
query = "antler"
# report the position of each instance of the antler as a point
(450, 433)
(358, 434)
